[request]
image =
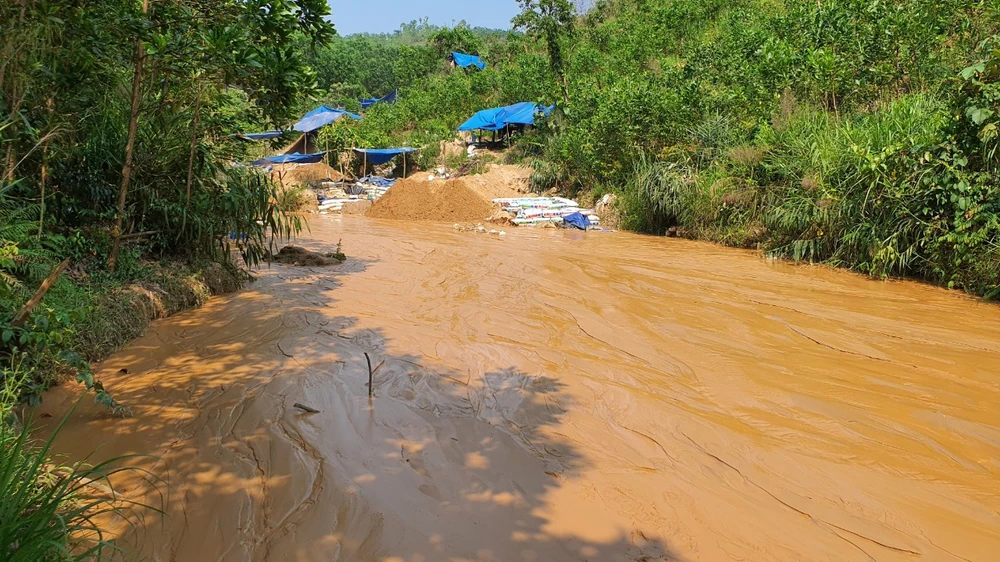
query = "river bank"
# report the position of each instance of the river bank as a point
(90, 316)
(557, 395)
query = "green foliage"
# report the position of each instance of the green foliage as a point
(339, 254)
(208, 70)
(460, 39)
(857, 133)
(550, 20)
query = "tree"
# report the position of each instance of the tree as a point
(551, 21)
(216, 44)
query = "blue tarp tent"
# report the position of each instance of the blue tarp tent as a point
(266, 135)
(497, 118)
(465, 61)
(295, 158)
(388, 98)
(379, 156)
(321, 117)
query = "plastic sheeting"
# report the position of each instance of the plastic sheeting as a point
(388, 98)
(294, 158)
(379, 156)
(378, 181)
(266, 135)
(465, 61)
(498, 118)
(577, 220)
(321, 117)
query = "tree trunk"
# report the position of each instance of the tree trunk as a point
(133, 125)
(11, 162)
(44, 176)
(41, 188)
(22, 315)
(194, 147)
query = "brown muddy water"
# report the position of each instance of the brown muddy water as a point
(556, 396)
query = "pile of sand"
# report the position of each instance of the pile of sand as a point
(293, 175)
(501, 180)
(359, 207)
(439, 200)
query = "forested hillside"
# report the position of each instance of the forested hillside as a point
(862, 133)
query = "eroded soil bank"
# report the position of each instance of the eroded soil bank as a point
(555, 396)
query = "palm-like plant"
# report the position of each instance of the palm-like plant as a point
(18, 221)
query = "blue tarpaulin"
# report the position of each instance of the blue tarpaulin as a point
(266, 135)
(295, 158)
(379, 156)
(465, 61)
(497, 118)
(388, 98)
(577, 220)
(378, 181)
(321, 117)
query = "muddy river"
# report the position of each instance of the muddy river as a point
(559, 396)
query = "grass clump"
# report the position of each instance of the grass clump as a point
(51, 512)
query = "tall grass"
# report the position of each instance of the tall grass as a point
(50, 512)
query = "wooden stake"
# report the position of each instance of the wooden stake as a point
(371, 376)
(22, 315)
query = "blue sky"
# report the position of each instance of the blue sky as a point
(379, 16)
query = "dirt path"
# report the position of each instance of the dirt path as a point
(558, 396)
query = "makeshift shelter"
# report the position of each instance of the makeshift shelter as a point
(388, 98)
(379, 156)
(295, 158)
(499, 118)
(321, 117)
(465, 61)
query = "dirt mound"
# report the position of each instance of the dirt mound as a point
(292, 175)
(294, 255)
(501, 180)
(451, 201)
(358, 207)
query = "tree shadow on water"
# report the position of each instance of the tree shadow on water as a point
(437, 465)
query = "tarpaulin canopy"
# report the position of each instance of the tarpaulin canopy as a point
(465, 61)
(321, 117)
(388, 98)
(266, 135)
(294, 158)
(497, 118)
(379, 156)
